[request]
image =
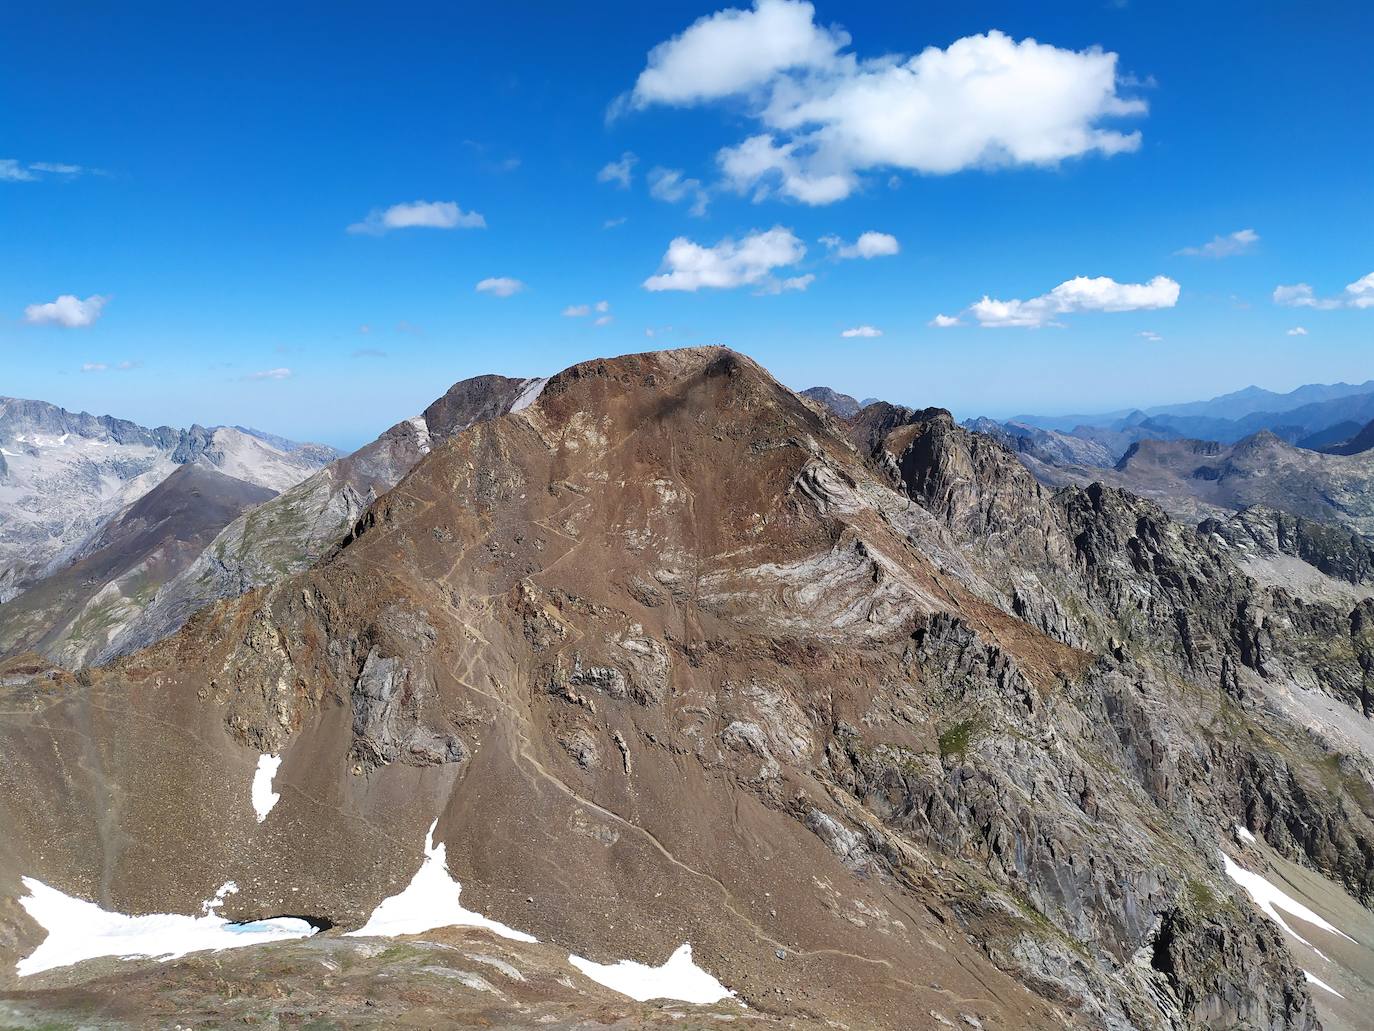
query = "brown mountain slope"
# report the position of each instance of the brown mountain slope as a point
(302, 523)
(887, 734)
(76, 611)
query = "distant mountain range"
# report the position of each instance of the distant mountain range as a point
(94, 501)
(1233, 406)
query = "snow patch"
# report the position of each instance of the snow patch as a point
(678, 978)
(264, 798)
(79, 930)
(530, 394)
(1244, 835)
(1312, 979)
(430, 901)
(1271, 899)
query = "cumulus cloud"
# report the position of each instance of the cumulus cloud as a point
(1242, 241)
(1297, 331)
(67, 310)
(868, 245)
(824, 116)
(1359, 294)
(269, 374)
(419, 214)
(500, 286)
(618, 172)
(945, 321)
(670, 184)
(1079, 294)
(729, 264)
(862, 331)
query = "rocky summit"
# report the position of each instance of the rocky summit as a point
(809, 719)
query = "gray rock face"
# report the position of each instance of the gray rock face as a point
(841, 404)
(387, 719)
(1110, 573)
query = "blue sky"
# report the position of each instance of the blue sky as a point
(199, 171)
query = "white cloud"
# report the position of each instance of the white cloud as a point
(945, 321)
(1241, 241)
(869, 245)
(611, 223)
(604, 320)
(67, 310)
(500, 286)
(748, 262)
(1359, 294)
(269, 374)
(126, 365)
(420, 214)
(93, 367)
(618, 172)
(669, 184)
(825, 116)
(1297, 331)
(735, 51)
(1074, 295)
(1151, 336)
(577, 311)
(862, 331)
(603, 305)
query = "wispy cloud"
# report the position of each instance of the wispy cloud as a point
(869, 245)
(671, 185)
(601, 308)
(269, 374)
(1242, 241)
(619, 172)
(420, 214)
(611, 223)
(368, 352)
(68, 311)
(12, 171)
(93, 367)
(500, 286)
(863, 331)
(1297, 331)
(1150, 335)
